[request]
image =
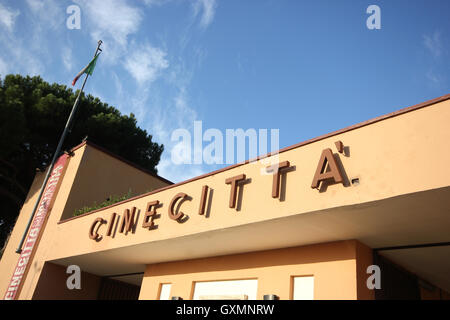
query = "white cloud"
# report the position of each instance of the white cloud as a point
(159, 106)
(433, 44)
(436, 48)
(36, 5)
(8, 17)
(433, 77)
(20, 59)
(160, 115)
(48, 13)
(118, 85)
(185, 116)
(139, 104)
(174, 115)
(67, 58)
(46, 23)
(113, 22)
(146, 63)
(160, 111)
(208, 10)
(151, 3)
(28, 53)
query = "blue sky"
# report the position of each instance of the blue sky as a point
(304, 67)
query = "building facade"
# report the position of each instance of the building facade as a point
(361, 213)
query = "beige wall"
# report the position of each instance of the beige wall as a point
(333, 265)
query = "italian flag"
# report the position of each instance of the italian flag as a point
(89, 69)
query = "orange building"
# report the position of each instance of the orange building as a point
(360, 213)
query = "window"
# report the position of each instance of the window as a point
(303, 288)
(165, 291)
(226, 290)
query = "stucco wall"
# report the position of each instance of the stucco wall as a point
(333, 265)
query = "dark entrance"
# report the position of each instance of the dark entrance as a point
(396, 284)
(117, 290)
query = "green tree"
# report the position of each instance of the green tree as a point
(33, 114)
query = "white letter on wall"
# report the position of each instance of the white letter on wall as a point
(374, 281)
(74, 281)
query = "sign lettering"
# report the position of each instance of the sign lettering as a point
(327, 169)
(36, 226)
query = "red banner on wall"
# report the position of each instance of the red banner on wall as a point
(36, 226)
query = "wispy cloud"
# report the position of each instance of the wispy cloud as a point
(8, 17)
(436, 48)
(145, 63)
(152, 3)
(49, 14)
(159, 96)
(67, 58)
(207, 9)
(118, 85)
(163, 108)
(28, 52)
(433, 77)
(185, 114)
(113, 22)
(160, 101)
(169, 116)
(177, 111)
(18, 56)
(434, 44)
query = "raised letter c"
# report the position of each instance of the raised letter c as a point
(93, 232)
(172, 214)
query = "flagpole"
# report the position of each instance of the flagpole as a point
(56, 155)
